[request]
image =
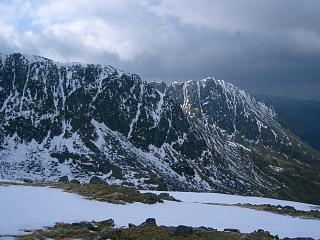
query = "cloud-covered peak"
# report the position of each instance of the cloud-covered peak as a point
(268, 47)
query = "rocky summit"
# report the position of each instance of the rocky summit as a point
(84, 120)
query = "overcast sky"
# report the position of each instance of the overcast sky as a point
(265, 47)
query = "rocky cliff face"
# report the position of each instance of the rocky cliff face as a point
(83, 120)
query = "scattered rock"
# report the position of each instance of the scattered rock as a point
(64, 179)
(147, 230)
(182, 230)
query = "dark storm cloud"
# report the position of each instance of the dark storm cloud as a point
(268, 47)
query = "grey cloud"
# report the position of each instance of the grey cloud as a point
(265, 47)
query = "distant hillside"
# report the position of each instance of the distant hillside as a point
(301, 116)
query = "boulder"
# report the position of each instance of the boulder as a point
(166, 196)
(151, 197)
(64, 179)
(150, 222)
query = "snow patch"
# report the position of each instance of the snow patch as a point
(37, 207)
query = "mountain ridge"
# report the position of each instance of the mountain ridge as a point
(84, 119)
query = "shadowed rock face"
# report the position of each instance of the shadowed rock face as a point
(82, 120)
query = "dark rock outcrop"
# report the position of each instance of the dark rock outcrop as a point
(63, 179)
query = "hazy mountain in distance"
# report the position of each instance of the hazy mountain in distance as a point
(302, 117)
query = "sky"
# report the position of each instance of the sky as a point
(265, 47)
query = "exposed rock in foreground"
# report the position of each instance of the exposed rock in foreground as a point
(147, 230)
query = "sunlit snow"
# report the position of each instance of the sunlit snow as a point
(24, 207)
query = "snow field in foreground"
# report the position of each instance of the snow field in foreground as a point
(23, 207)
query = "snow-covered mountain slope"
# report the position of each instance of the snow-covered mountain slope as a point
(82, 120)
(28, 208)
